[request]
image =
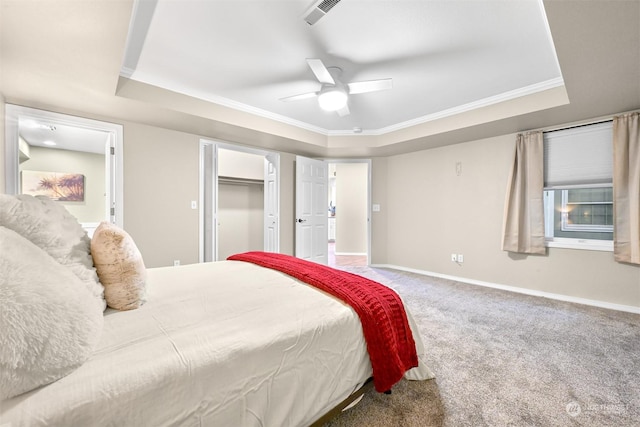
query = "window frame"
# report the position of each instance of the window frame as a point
(584, 244)
(550, 188)
(552, 241)
(593, 228)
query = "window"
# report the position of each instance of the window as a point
(588, 210)
(578, 194)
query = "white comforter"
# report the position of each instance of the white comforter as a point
(217, 344)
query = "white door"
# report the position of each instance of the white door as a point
(311, 209)
(271, 203)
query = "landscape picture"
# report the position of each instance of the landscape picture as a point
(59, 186)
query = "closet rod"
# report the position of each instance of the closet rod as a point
(239, 181)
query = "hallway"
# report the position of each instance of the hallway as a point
(344, 260)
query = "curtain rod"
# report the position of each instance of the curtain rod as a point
(578, 126)
(595, 121)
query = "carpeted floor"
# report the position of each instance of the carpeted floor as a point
(507, 359)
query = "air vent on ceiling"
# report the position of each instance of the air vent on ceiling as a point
(318, 10)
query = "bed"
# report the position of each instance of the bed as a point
(228, 343)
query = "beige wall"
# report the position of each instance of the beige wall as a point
(427, 212)
(432, 212)
(351, 208)
(379, 219)
(91, 165)
(240, 205)
(161, 178)
(161, 173)
(2, 146)
(240, 218)
(238, 164)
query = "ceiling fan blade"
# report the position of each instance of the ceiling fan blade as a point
(299, 97)
(320, 71)
(370, 86)
(344, 111)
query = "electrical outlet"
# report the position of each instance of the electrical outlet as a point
(176, 262)
(460, 258)
(454, 258)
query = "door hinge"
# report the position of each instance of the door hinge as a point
(113, 150)
(113, 211)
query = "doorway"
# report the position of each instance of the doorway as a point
(332, 213)
(348, 212)
(239, 196)
(74, 160)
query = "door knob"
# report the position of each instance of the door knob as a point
(301, 220)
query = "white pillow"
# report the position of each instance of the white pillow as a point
(49, 323)
(120, 267)
(48, 225)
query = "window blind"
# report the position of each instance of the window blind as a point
(579, 156)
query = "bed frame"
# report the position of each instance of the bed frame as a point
(367, 386)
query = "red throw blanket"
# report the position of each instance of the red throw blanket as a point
(390, 344)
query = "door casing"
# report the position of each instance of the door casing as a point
(114, 206)
(208, 241)
(369, 197)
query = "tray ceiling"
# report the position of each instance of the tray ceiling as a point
(445, 57)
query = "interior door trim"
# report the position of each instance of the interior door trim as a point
(114, 167)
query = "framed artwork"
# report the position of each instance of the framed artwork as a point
(60, 186)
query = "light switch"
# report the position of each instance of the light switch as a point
(458, 168)
(194, 204)
(375, 207)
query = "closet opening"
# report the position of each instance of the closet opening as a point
(239, 199)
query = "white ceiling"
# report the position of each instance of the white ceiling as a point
(444, 57)
(37, 132)
(67, 56)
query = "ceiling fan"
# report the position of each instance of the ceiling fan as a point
(333, 94)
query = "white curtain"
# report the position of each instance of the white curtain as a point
(626, 188)
(523, 227)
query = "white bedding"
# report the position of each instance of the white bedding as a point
(217, 344)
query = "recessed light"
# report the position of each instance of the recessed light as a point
(49, 143)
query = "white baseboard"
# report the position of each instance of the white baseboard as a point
(559, 297)
(352, 253)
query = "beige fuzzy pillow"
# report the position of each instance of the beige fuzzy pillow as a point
(120, 267)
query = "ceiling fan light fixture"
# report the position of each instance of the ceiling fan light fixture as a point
(332, 99)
